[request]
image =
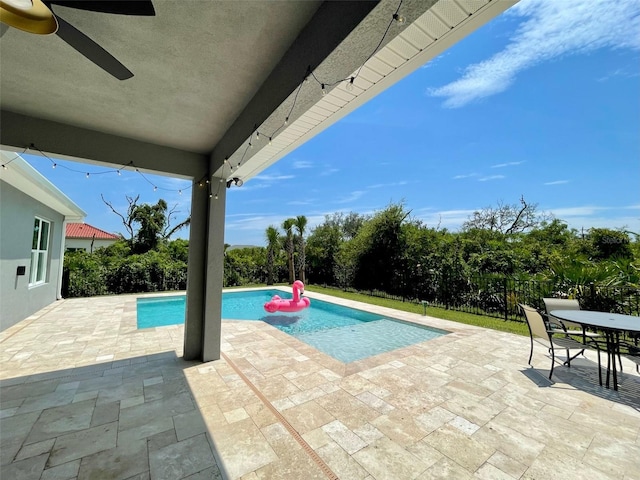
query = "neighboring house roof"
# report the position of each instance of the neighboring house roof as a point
(84, 230)
(28, 180)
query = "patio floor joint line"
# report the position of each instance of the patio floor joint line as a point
(294, 433)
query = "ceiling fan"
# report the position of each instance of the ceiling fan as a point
(36, 16)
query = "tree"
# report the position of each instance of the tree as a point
(379, 250)
(322, 247)
(301, 225)
(608, 244)
(153, 223)
(273, 245)
(506, 219)
(287, 226)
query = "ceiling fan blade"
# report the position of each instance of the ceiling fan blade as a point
(120, 7)
(92, 50)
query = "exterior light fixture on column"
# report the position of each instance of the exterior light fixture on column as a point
(235, 181)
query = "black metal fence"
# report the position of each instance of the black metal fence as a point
(499, 296)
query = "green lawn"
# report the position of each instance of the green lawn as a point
(519, 328)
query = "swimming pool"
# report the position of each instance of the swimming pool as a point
(344, 333)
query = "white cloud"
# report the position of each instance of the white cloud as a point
(329, 171)
(302, 164)
(491, 177)
(273, 178)
(458, 177)
(251, 229)
(508, 164)
(449, 219)
(550, 29)
(352, 197)
(388, 185)
(556, 182)
(592, 216)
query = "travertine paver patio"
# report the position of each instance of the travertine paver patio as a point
(84, 394)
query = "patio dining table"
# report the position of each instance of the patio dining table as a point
(611, 324)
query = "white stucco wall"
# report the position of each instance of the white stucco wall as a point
(85, 243)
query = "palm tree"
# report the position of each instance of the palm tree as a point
(287, 225)
(273, 245)
(301, 225)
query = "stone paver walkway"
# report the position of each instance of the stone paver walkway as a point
(84, 394)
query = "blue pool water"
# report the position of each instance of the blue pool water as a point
(344, 333)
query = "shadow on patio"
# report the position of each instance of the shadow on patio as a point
(583, 375)
(132, 418)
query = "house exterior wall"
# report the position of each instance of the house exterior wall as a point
(85, 243)
(17, 215)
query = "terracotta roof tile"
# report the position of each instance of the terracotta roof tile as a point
(84, 230)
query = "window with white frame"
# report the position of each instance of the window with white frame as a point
(39, 252)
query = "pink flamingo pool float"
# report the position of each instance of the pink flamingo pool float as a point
(295, 304)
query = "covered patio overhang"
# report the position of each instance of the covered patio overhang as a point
(208, 76)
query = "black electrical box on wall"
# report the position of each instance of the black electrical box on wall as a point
(21, 270)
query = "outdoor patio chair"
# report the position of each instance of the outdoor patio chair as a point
(565, 304)
(630, 351)
(553, 338)
(570, 327)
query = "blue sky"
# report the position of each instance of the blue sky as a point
(543, 102)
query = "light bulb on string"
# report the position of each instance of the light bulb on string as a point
(179, 192)
(4, 167)
(399, 18)
(286, 121)
(119, 174)
(349, 85)
(54, 166)
(324, 91)
(87, 174)
(257, 135)
(250, 145)
(269, 140)
(155, 188)
(216, 196)
(221, 180)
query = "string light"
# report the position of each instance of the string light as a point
(4, 167)
(349, 85)
(396, 18)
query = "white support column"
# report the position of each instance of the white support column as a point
(214, 274)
